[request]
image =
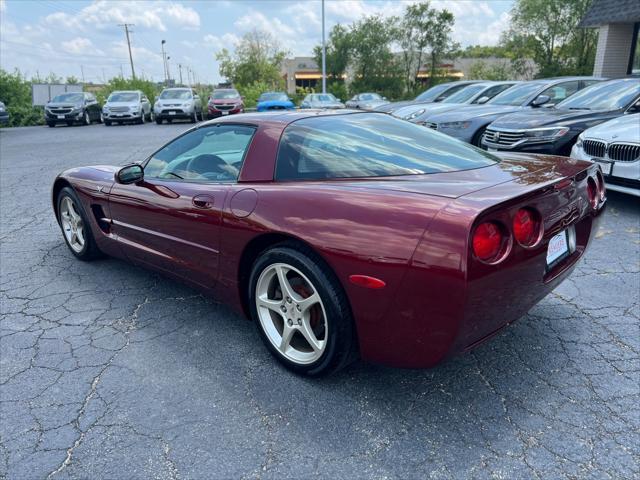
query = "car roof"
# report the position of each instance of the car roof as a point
(282, 117)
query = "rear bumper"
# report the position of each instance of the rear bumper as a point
(450, 303)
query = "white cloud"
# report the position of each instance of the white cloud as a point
(228, 41)
(80, 45)
(153, 15)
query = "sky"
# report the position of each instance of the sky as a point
(83, 38)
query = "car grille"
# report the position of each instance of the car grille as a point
(432, 125)
(119, 109)
(224, 107)
(498, 137)
(623, 152)
(594, 148)
(60, 110)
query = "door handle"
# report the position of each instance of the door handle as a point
(203, 201)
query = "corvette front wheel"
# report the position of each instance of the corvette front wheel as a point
(75, 226)
(301, 312)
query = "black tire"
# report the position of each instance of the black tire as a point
(51, 125)
(100, 118)
(140, 121)
(90, 250)
(86, 119)
(169, 120)
(69, 123)
(159, 120)
(194, 117)
(341, 346)
(107, 123)
(477, 138)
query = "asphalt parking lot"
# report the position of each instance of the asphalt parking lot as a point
(110, 371)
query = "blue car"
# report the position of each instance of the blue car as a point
(274, 101)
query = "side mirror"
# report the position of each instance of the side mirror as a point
(482, 100)
(130, 174)
(635, 107)
(339, 100)
(384, 98)
(540, 100)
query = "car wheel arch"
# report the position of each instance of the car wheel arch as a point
(266, 241)
(58, 185)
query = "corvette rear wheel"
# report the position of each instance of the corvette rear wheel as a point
(75, 226)
(301, 312)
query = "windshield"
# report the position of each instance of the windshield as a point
(465, 94)
(604, 96)
(69, 97)
(370, 96)
(432, 93)
(369, 145)
(175, 94)
(269, 97)
(124, 97)
(323, 97)
(220, 94)
(515, 95)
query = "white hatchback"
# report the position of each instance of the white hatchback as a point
(615, 146)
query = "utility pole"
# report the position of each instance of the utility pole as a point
(180, 68)
(164, 61)
(324, 56)
(126, 31)
(168, 71)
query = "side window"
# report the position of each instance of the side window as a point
(560, 92)
(493, 91)
(213, 153)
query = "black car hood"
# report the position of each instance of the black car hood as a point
(551, 117)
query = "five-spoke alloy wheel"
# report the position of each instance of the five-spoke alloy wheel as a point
(301, 311)
(291, 313)
(75, 226)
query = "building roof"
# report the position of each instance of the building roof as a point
(602, 12)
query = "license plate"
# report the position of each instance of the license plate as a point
(558, 247)
(225, 113)
(61, 117)
(172, 113)
(604, 165)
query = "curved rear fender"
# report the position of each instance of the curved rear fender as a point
(355, 230)
(428, 309)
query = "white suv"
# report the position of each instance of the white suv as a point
(127, 106)
(178, 103)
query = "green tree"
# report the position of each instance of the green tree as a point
(481, 70)
(71, 80)
(257, 58)
(374, 65)
(440, 42)
(15, 92)
(548, 32)
(423, 32)
(338, 52)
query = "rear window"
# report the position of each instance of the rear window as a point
(370, 145)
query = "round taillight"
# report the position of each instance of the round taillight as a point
(526, 226)
(487, 241)
(592, 192)
(601, 187)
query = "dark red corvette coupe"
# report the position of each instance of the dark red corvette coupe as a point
(343, 233)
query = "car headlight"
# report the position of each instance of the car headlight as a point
(415, 114)
(454, 125)
(105, 109)
(579, 141)
(77, 106)
(548, 133)
(186, 104)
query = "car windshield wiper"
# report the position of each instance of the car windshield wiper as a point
(579, 108)
(175, 175)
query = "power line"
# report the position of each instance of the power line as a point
(126, 31)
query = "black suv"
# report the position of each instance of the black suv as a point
(73, 107)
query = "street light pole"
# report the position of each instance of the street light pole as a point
(164, 62)
(324, 56)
